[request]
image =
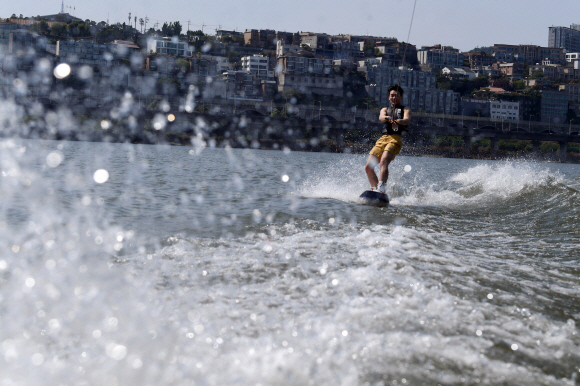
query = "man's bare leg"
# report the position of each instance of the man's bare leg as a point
(386, 159)
(372, 162)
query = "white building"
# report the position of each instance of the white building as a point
(169, 46)
(504, 110)
(258, 64)
(573, 57)
(282, 48)
(460, 71)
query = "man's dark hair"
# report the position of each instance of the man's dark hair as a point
(397, 88)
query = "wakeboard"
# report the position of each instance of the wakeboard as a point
(370, 197)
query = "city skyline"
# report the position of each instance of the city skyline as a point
(458, 23)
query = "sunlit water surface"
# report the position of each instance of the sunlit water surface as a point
(157, 265)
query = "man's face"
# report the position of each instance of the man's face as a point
(394, 97)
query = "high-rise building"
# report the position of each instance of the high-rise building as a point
(564, 37)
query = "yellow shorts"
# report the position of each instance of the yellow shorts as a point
(390, 143)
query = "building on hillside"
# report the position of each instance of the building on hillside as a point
(529, 54)
(84, 52)
(203, 66)
(282, 48)
(222, 63)
(343, 49)
(344, 63)
(554, 106)
(375, 40)
(13, 40)
(542, 82)
(62, 17)
(508, 57)
(573, 91)
(163, 65)
(268, 38)
(220, 34)
(318, 43)
(564, 38)
(169, 46)
(492, 89)
(477, 59)
(390, 57)
(308, 74)
(437, 57)
(259, 65)
(242, 85)
(311, 83)
(474, 107)
(514, 71)
(574, 59)
(461, 72)
(485, 71)
(420, 92)
(124, 49)
(556, 72)
(304, 62)
(504, 110)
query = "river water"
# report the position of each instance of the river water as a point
(155, 265)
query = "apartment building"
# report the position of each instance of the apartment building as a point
(556, 72)
(304, 62)
(311, 83)
(504, 110)
(461, 72)
(514, 71)
(477, 59)
(163, 65)
(554, 106)
(169, 46)
(528, 53)
(564, 38)
(282, 48)
(573, 91)
(266, 38)
(203, 66)
(437, 57)
(259, 65)
(308, 74)
(241, 85)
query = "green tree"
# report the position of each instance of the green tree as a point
(59, 29)
(183, 65)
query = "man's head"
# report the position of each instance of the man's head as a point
(395, 94)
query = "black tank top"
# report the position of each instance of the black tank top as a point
(396, 113)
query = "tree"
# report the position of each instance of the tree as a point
(171, 29)
(234, 57)
(183, 65)
(141, 22)
(59, 29)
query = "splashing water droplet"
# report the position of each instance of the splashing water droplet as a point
(62, 71)
(54, 159)
(101, 176)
